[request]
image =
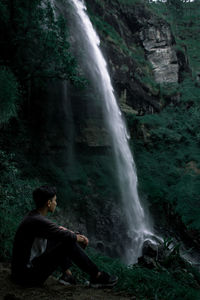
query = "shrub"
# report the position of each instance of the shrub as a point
(9, 95)
(15, 201)
(144, 283)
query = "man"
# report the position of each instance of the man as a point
(40, 246)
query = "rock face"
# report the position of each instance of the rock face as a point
(158, 42)
(140, 50)
(122, 49)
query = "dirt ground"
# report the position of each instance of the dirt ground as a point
(53, 290)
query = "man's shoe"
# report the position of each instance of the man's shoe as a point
(104, 280)
(67, 279)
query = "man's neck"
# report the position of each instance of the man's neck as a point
(43, 211)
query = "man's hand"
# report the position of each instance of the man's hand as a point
(64, 228)
(83, 240)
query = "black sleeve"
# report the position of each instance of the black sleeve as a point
(44, 228)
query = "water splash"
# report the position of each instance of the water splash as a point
(138, 224)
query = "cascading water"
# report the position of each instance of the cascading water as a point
(138, 225)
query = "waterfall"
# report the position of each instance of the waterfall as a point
(138, 225)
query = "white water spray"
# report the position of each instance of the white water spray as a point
(138, 226)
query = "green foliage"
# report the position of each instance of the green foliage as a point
(108, 31)
(58, 177)
(167, 144)
(167, 155)
(167, 150)
(190, 91)
(15, 201)
(9, 95)
(36, 42)
(144, 283)
(93, 183)
(186, 195)
(134, 51)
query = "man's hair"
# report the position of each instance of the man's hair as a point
(42, 194)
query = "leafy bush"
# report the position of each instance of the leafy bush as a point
(15, 201)
(36, 45)
(167, 156)
(9, 95)
(144, 283)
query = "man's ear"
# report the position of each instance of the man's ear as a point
(48, 203)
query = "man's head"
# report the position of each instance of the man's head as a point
(45, 196)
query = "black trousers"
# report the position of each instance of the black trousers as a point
(57, 254)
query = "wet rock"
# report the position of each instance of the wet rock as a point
(158, 43)
(153, 250)
(100, 246)
(149, 249)
(93, 134)
(153, 255)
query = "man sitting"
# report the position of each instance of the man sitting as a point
(40, 246)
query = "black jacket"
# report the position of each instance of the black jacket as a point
(34, 225)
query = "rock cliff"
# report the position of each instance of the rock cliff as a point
(158, 43)
(140, 50)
